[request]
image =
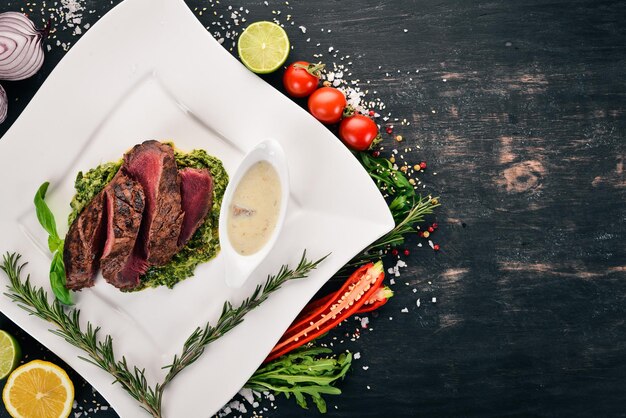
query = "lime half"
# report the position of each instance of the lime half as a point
(263, 47)
(10, 354)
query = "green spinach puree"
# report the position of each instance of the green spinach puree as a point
(202, 247)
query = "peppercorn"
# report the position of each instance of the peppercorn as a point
(426, 234)
(389, 130)
(435, 225)
(372, 113)
(399, 138)
(375, 153)
(431, 229)
(407, 252)
(423, 165)
(436, 247)
(394, 252)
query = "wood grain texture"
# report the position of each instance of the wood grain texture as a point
(520, 109)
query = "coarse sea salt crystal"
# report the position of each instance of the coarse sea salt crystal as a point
(434, 299)
(366, 367)
(405, 310)
(247, 394)
(302, 28)
(364, 322)
(357, 355)
(418, 303)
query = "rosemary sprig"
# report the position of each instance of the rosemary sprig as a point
(415, 215)
(100, 350)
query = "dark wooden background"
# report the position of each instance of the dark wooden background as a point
(519, 107)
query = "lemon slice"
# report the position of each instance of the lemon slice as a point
(38, 389)
(10, 354)
(263, 47)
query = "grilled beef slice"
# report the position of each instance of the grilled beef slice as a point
(125, 203)
(152, 164)
(83, 245)
(196, 190)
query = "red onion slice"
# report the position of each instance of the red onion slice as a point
(21, 50)
(4, 104)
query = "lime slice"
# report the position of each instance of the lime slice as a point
(10, 354)
(263, 47)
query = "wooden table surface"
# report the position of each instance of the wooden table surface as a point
(519, 110)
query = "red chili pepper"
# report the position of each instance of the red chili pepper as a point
(382, 295)
(358, 289)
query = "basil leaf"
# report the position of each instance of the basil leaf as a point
(44, 215)
(54, 243)
(57, 279)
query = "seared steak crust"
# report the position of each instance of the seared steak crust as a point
(83, 245)
(153, 165)
(125, 205)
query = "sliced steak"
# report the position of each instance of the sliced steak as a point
(124, 198)
(152, 164)
(83, 245)
(196, 190)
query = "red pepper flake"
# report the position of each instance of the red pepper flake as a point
(431, 229)
(372, 113)
(436, 247)
(423, 165)
(407, 252)
(389, 130)
(394, 252)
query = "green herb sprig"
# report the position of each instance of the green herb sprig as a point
(307, 371)
(407, 207)
(99, 348)
(55, 244)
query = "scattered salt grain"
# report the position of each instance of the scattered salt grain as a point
(418, 303)
(302, 28)
(434, 300)
(357, 355)
(405, 310)
(366, 367)
(247, 394)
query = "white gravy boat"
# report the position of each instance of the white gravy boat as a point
(238, 268)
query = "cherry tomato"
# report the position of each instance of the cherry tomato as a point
(358, 132)
(301, 78)
(327, 104)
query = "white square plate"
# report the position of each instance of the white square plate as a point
(149, 70)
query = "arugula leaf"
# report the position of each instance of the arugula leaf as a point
(306, 371)
(55, 244)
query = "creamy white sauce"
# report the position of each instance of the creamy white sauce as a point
(254, 208)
